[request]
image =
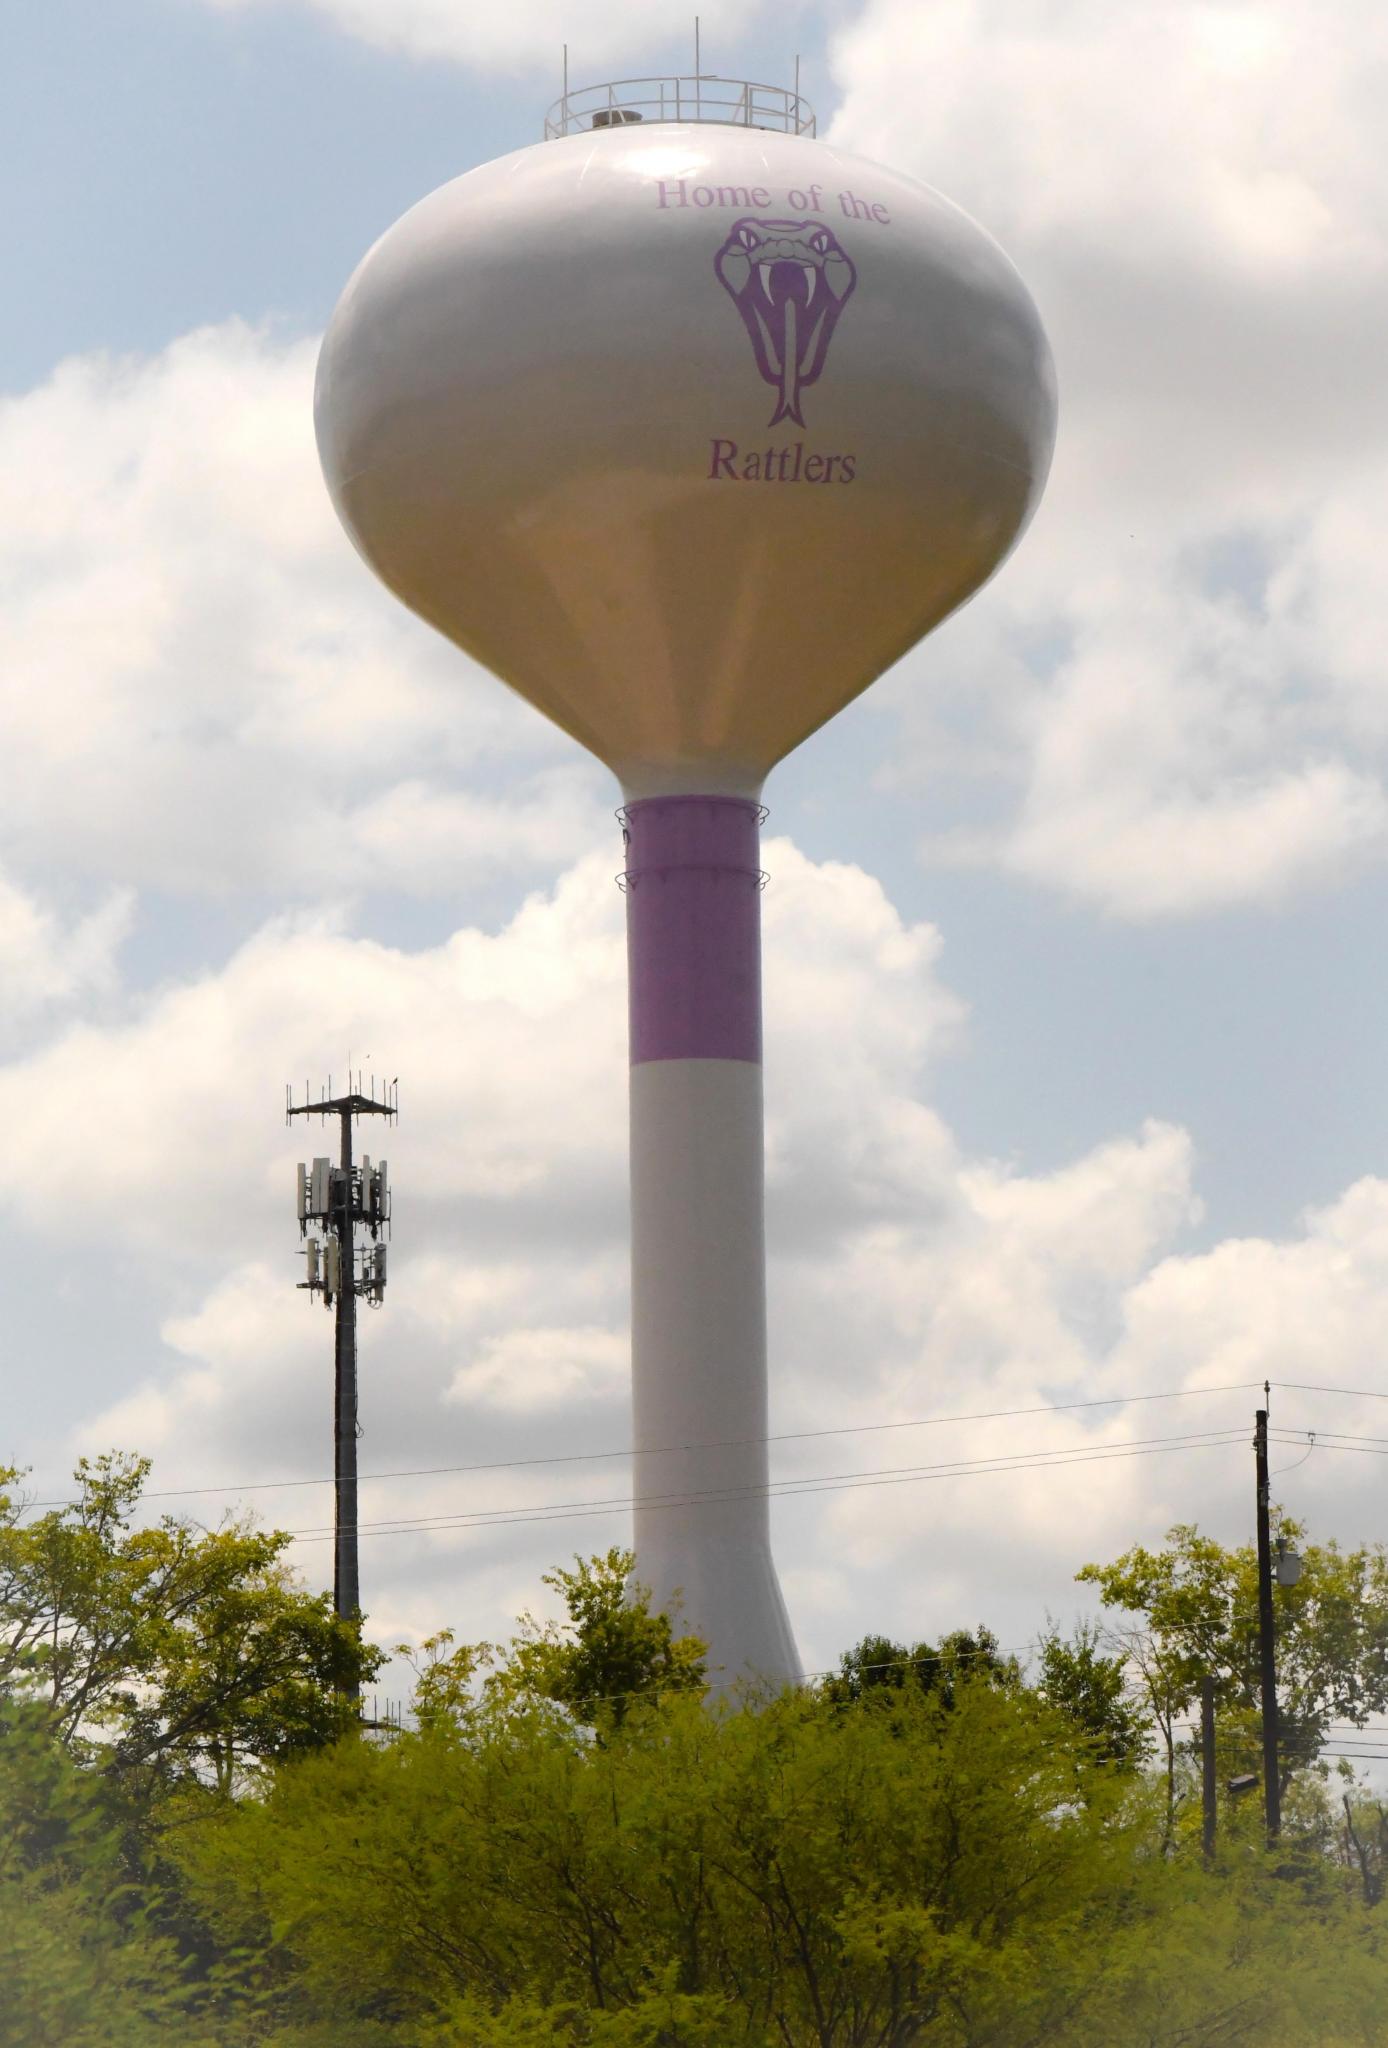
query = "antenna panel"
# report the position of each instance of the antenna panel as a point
(303, 1192)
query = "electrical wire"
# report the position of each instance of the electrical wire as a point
(1251, 1753)
(1349, 1756)
(1011, 1460)
(1296, 1463)
(1247, 1749)
(1287, 1435)
(1276, 1435)
(509, 1518)
(666, 1450)
(1314, 1387)
(1364, 1450)
(1348, 1731)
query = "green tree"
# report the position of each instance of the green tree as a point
(1194, 1610)
(1364, 1843)
(1092, 1690)
(609, 1651)
(878, 1667)
(610, 1648)
(168, 1650)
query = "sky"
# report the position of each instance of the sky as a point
(1075, 994)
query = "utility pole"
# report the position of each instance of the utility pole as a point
(1267, 1647)
(337, 1200)
(1208, 1781)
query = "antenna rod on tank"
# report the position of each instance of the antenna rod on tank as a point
(698, 74)
(564, 115)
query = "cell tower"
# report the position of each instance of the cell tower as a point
(335, 1201)
(688, 426)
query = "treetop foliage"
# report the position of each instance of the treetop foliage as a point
(878, 1667)
(609, 1653)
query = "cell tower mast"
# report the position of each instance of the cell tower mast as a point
(335, 1200)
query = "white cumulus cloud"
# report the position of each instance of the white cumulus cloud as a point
(45, 961)
(523, 1371)
(1173, 698)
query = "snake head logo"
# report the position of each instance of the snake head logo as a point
(790, 280)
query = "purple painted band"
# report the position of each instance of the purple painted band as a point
(694, 928)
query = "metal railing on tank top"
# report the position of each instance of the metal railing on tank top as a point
(623, 102)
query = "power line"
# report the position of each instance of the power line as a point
(1009, 1460)
(666, 1450)
(1244, 1750)
(1233, 1749)
(819, 1482)
(1349, 1756)
(1366, 1449)
(1315, 1387)
(1349, 1730)
(509, 1518)
(1324, 1438)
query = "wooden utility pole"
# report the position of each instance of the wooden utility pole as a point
(1267, 1645)
(1209, 1783)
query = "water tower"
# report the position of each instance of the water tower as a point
(687, 426)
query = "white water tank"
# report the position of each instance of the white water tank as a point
(687, 431)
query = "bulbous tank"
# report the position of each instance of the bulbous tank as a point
(686, 431)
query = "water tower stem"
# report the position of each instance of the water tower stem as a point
(699, 1372)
